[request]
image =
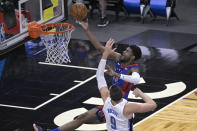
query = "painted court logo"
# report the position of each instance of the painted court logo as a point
(172, 89)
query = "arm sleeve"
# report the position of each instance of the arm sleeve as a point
(100, 74)
(134, 78)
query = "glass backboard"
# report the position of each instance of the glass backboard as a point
(16, 14)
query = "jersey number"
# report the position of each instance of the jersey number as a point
(113, 122)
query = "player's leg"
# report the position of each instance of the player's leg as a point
(103, 20)
(102, 4)
(77, 122)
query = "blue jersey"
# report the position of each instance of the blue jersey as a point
(125, 86)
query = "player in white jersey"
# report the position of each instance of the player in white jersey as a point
(116, 109)
(114, 116)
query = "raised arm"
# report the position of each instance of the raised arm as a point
(116, 56)
(102, 85)
(131, 108)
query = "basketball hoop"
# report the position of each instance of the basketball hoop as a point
(56, 37)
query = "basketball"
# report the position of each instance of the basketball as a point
(78, 11)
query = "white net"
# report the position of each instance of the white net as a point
(57, 44)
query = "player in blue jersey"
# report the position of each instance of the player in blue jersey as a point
(124, 83)
(126, 73)
(117, 110)
(125, 76)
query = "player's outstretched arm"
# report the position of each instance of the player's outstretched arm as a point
(102, 85)
(131, 108)
(95, 42)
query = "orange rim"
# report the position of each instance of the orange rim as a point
(55, 24)
(35, 29)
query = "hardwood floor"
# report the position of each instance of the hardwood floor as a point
(180, 116)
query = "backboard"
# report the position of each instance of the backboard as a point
(16, 14)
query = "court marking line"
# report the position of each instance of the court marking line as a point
(72, 88)
(163, 108)
(189, 99)
(53, 94)
(59, 95)
(172, 89)
(19, 107)
(77, 81)
(65, 92)
(71, 66)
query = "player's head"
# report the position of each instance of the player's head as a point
(115, 92)
(132, 53)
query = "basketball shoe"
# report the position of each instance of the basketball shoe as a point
(103, 22)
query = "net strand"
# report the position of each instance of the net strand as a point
(57, 44)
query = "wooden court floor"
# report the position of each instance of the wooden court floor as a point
(179, 116)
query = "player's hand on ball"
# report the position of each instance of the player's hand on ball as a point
(78, 11)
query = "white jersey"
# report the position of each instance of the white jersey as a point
(115, 119)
